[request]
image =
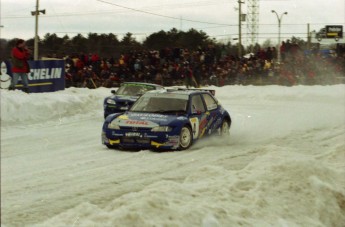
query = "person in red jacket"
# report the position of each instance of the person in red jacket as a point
(20, 67)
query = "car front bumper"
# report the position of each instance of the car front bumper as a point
(142, 140)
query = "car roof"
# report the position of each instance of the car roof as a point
(141, 83)
(185, 91)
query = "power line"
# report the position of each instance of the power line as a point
(159, 15)
(176, 18)
(160, 7)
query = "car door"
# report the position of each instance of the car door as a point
(213, 116)
(198, 118)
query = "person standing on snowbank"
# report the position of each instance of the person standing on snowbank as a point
(20, 67)
(187, 74)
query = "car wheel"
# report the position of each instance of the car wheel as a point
(186, 138)
(225, 128)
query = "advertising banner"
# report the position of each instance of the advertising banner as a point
(334, 31)
(44, 76)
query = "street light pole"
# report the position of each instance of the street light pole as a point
(279, 26)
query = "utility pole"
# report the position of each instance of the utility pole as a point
(36, 13)
(240, 28)
(1, 26)
(309, 36)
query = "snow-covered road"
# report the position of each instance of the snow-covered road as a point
(283, 165)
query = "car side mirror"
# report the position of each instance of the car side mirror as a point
(113, 92)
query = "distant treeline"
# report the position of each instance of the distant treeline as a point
(108, 45)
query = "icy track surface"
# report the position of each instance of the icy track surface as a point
(283, 165)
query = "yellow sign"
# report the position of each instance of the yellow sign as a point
(36, 84)
(332, 34)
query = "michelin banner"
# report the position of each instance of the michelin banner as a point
(44, 76)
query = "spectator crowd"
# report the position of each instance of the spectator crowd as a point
(206, 66)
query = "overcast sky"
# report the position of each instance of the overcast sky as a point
(217, 18)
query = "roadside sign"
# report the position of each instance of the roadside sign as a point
(334, 31)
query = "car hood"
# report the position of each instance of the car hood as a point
(147, 120)
(119, 98)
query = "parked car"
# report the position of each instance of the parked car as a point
(122, 99)
(171, 119)
(321, 34)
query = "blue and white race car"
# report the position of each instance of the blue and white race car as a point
(126, 95)
(167, 120)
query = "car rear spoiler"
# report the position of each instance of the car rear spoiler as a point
(213, 92)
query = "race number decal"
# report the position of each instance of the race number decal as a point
(195, 126)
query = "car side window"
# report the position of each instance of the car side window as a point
(197, 104)
(211, 103)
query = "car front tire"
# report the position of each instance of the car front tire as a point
(186, 138)
(111, 146)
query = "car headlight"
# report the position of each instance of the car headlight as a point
(161, 129)
(113, 125)
(110, 101)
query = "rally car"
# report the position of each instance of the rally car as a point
(171, 119)
(122, 99)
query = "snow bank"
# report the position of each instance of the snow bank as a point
(18, 107)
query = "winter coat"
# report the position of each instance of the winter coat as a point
(20, 60)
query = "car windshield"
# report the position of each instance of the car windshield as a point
(161, 104)
(134, 89)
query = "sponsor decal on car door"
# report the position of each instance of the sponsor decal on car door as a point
(194, 121)
(212, 110)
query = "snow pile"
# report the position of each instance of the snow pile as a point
(292, 192)
(17, 107)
